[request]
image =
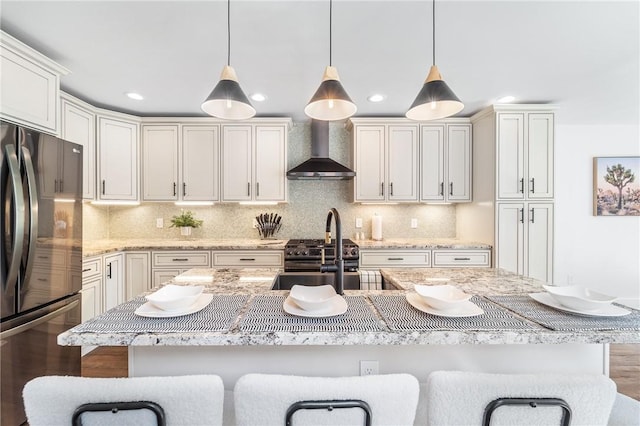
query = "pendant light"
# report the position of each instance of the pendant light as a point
(227, 100)
(436, 100)
(330, 102)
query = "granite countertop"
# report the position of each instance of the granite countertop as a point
(250, 284)
(98, 247)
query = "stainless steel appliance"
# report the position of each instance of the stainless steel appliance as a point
(40, 260)
(303, 255)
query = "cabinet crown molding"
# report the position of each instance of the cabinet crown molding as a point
(9, 42)
(513, 108)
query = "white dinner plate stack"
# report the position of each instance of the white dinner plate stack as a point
(173, 301)
(443, 300)
(314, 301)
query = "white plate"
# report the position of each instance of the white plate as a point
(466, 309)
(150, 311)
(337, 306)
(605, 311)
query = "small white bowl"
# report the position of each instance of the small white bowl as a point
(175, 297)
(443, 297)
(312, 297)
(580, 298)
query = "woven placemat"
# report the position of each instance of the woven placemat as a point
(218, 315)
(266, 313)
(401, 316)
(558, 320)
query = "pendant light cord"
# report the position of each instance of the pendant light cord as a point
(229, 32)
(330, 29)
(433, 17)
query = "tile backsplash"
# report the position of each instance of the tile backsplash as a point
(303, 217)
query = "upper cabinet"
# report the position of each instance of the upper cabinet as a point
(524, 155)
(30, 84)
(78, 124)
(445, 162)
(386, 161)
(118, 152)
(180, 162)
(254, 161)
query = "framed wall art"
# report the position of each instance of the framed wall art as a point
(616, 186)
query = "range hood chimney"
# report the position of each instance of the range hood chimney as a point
(320, 166)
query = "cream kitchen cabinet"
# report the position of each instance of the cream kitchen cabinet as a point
(386, 161)
(254, 162)
(395, 258)
(78, 124)
(113, 284)
(525, 239)
(445, 162)
(30, 85)
(92, 284)
(248, 259)
(137, 273)
(180, 162)
(168, 264)
(524, 155)
(457, 258)
(118, 153)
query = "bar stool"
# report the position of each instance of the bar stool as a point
(271, 399)
(457, 397)
(63, 400)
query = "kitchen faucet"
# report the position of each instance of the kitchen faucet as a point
(338, 265)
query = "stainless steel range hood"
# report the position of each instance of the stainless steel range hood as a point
(320, 166)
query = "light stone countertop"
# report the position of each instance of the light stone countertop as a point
(254, 282)
(98, 247)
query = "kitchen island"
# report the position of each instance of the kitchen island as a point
(249, 332)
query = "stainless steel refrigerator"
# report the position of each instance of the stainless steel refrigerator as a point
(40, 260)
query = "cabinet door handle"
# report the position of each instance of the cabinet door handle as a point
(533, 218)
(533, 185)
(522, 185)
(109, 270)
(44, 280)
(179, 259)
(521, 215)
(442, 188)
(175, 192)
(184, 189)
(391, 189)
(247, 259)
(86, 269)
(103, 185)
(461, 258)
(395, 258)
(61, 186)
(55, 186)
(248, 189)
(450, 188)
(382, 189)
(257, 189)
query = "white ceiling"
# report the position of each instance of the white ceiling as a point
(581, 55)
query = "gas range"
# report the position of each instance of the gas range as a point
(306, 254)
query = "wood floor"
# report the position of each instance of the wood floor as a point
(624, 366)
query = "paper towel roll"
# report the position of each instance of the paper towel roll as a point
(376, 227)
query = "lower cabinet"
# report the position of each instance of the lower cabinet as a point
(461, 258)
(440, 258)
(248, 259)
(92, 280)
(168, 264)
(137, 273)
(113, 286)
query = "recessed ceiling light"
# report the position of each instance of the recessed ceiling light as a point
(376, 97)
(506, 99)
(258, 97)
(134, 96)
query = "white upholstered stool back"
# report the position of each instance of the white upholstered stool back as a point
(185, 400)
(461, 398)
(263, 399)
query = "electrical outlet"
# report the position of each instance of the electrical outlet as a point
(369, 368)
(159, 222)
(414, 223)
(358, 222)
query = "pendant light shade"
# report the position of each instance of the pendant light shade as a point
(330, 102)
(436, 100)
(227, 100)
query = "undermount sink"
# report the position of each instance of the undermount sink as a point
(286, 280)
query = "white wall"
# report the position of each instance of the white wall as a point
(602, 253)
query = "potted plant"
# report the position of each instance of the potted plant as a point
(186, 222)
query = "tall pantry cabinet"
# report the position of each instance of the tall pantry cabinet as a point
(512, 209)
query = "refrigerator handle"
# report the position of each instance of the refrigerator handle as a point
(36, 322)
(18, 224)
(33, 216)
